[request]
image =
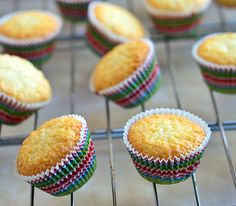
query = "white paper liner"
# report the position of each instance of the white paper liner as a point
(206, 63)
(100, 27)
(157, 12)
(74, 1)
(160, 111)
(124, 82)
(11, 41)
(20, 105)
(63, 161)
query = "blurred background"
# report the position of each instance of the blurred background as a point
(213, 176)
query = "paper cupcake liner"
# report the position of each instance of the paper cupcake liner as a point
(216, 76)
(74, 175)
(62, 172)
(169, 166)
(167, 174)
(99, 44)
(31, 49)
(77, 180)
(157, 163)
(142, 95)
(175, 22)
(73, 11)
(80, 182)
(13, 112)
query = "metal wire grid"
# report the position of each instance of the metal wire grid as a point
(110, 133)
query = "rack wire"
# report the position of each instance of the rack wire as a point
(110, 133)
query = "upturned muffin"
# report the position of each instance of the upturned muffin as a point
(133, 74)
(175, 17)
(23, 88)
(216, 56)
(227, 3)
(166, 145)
(58, 157)
(107, 28)
(30, 34)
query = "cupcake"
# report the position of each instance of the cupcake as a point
(109, 25)
(30, 34)
(166, 145)
(175, 17)
(58, 157)
(127, 75)
(227, 3)
(23, 89)
(73, 10)
(216, 57)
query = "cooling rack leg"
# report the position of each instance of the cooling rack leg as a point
(16, 5)
(224, 138)
(72, 71)
(154, 185)
(72, 84)
(130, 4)
(196, 190)
(221, 14)
(72, 202)
(112, 170)
(32, 196)
(32, 187)
(171, 69)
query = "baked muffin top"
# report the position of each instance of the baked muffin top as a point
(48, 145)
(118, 20)
(21, 80)
(219, 49)
(177, 5)
(29, 25)
(165, 136)
(228, 3)
(119, 64)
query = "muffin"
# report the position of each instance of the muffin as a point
(227, 3)
(109, 25)
(216, 57)
(73, 10)
(127, 75)
(175, 17)
(58, 157)
(30, 34)
(166, 145)
(23, 89)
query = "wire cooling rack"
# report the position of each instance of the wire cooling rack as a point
(111, 133)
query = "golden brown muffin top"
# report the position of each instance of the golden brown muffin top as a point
(165, 136)
(177, 5)
(119, 20)
(29, 25)
(228, 3)
(48, 145)
(21, 80)
(219, 49)
(119, 64)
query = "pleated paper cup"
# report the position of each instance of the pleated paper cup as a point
(220, 78)
(14, 112)
(175, 23)
(177, 168)
(72, 172)
(74, 11)
(139, 86)
(37, 50)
